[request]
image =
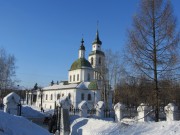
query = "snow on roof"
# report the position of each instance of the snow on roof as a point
(119, 106)
(100, 105)
(11, 97)
(83, 105)
(61, 86)
(82, 85)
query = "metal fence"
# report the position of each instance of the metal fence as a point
(108, 113)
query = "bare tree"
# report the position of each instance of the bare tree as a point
(7, 70)
(153, 42)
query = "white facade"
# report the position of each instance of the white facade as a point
(75, 92)
(83, 81)
(81, 75)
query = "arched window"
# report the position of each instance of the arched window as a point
(89, 77)
(46, 96)
(92, 60)
(51, 96)
(58, 96)
(62, 95)
(82, 96)
(70, 78)
(69, 95)
(99, 60)
(73, 77)
(89, 96)
(77, 77)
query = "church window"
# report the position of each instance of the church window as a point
(77, 77)
(92, 61)
(70, 78)
(46, 96)
(89, 77)
(82, 96)
(99, 60)
(51, 96)
(58, 96)
(73, 77)
(89, 96)
(69, 95)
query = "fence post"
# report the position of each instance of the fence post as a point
(142, 112)
(100, 109)
(171, 112)
(83, 107)
(119, 108)
(64, 106)
(11, 102)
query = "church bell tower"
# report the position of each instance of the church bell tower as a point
(96, 57)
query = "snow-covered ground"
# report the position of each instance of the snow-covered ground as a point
(30, 112)
(86, 126)
(15, 125)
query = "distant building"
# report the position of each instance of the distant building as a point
(84, 81)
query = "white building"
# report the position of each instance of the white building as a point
(84, 82)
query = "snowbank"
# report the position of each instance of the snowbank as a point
(15, 125)
(29, 112)
(87, 126)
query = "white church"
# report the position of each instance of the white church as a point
(84, 81)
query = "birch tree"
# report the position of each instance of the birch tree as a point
(7, 70)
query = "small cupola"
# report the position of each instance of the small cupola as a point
(82, 49)
(82, 45)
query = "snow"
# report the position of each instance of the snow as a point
(87, 126)
(82, 85)
(171, 107)
(143, 107)
(100, 105)
(119, 106)
(11, 96)
(83, 105)
(60, 86)
(29, 112)
(16, 125)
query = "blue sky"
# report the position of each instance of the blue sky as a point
(45, 35)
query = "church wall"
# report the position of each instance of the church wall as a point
(95, 96)
(83, 75)
(76, 97)
(96, 60)
(48, 102)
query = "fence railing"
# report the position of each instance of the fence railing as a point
(108, 113)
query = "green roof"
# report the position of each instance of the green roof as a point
(96, 52)
(81, 62)
(93, 85)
